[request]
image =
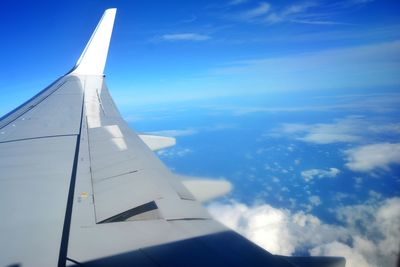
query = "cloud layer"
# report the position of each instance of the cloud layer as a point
(368, 236)
(367, 156)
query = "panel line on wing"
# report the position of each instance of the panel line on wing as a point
(38, 137)
(26, 109)
(90, 165)
(70, 200)
(117, 175)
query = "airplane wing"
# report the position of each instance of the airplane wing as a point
(79, 187)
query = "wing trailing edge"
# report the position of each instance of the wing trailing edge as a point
(94, 56)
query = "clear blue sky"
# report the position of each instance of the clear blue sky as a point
(168, 51)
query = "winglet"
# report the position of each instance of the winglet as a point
(93, 58)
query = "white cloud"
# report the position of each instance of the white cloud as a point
(193, 130)
(315, 200)
(258, 11)
(327, 138)
(262, 224)
(174, 152)
(375, 229)
(299, 12)
(342, 130)
(374, 156)
(369, 237)
(378, 103)
(353, 257)
(277, 230)
(319, 22)
(175, 133)
(345, 130)
(237, 2)
(377, 64)
(185, 37)
(365, 66)
(309, 175)
(290, 12)
(361, 1)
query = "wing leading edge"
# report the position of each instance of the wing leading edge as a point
(78, 186)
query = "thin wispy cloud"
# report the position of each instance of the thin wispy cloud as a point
(352, 129)
(307, 12)
(260, 10)
(237, 2)
(377, 64)
(185, 37)
(319, 22)
(193, 130)
(176, 133)
(361, 1)
(358, 2)
(377, 103)
(290, 12)
(191, 19)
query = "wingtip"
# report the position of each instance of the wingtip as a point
(93, 58)
(111, 10)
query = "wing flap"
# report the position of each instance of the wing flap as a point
(125, 173)
(119, 194)
(156, 142)
(181, 209)
(206, 189)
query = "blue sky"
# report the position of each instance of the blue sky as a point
(295, 102)
(171, 51)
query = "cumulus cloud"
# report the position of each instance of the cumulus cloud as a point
(368, 236)
(375, 230)
(276, 230)
(185, 37)
(315, 200)
(353, 257)
(309, 175)
(374, 156)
